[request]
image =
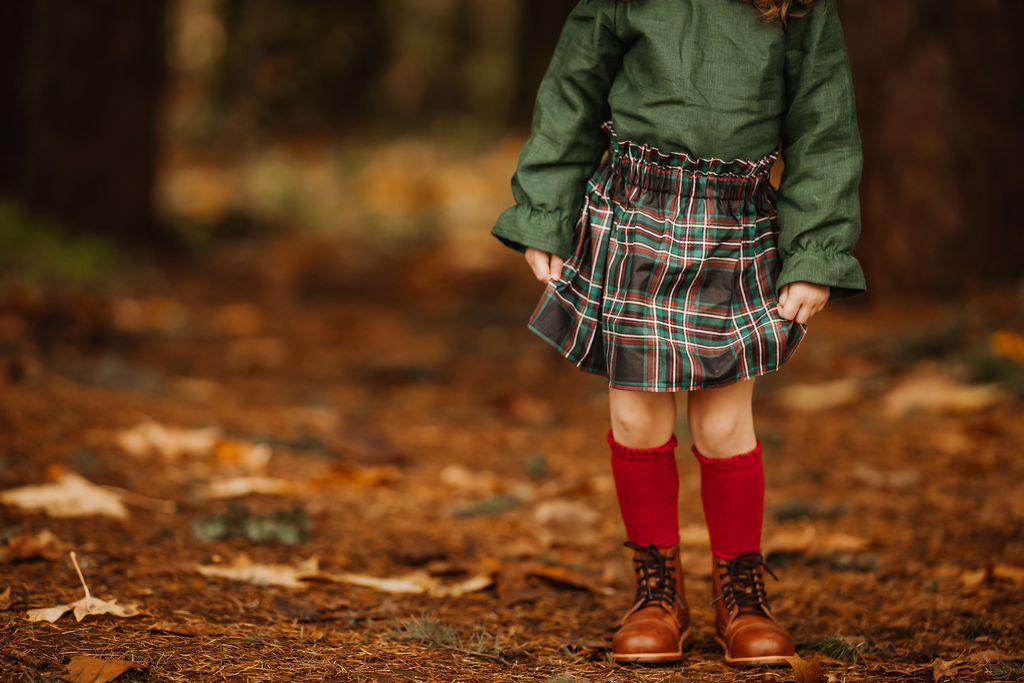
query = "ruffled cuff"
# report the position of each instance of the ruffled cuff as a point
(523, 226)
(839, 270)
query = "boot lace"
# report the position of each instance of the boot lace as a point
(743, 583)
(656, 580)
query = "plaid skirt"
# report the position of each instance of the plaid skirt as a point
(671, 284)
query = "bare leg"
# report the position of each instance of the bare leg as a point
(721, 420)
(642, 419)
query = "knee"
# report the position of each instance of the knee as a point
(642, 426)
(719, 430)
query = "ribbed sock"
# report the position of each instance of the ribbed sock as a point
(732, 490)
(647, 485)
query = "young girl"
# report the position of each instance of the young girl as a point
(673, 266)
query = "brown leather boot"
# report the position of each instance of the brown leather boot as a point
(657, 627)
(745, 626)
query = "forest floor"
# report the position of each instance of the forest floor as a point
(349, 416)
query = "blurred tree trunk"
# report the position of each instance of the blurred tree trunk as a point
(13, 19)
(540, 24)
(85, 80)
(940, 105)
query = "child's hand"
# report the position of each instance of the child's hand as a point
(801, 300)
(545, 266)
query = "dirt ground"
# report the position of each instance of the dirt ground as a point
(416, 430)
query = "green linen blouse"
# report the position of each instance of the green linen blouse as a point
(711, 78)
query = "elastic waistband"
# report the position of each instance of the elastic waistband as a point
(680, 174)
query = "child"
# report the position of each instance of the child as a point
(673, 266)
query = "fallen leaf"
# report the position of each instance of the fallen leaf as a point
(930, 389)
(943, 670)
(821, 396)
(565, 513)
(471, 481)
(27, 546)
(248, 456)
(990, 656)
(176, 629)
(1008, 572)
(149, 437)
(71, 495)
(84, 607)
(807, 540)
(82, 669)
(247, 571)
(566, 578)
(416, 582)
(803, 670)
(346, 474)
(159, 314)
(297, 576)
(5, 599)
(973, 578)
(517, 582)
(244, 486)
(1007, 344)
(898, 480)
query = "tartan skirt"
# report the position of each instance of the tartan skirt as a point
(671, 283)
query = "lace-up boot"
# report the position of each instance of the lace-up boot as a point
(657, 627)
(745, 625)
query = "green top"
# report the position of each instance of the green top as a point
(711, 78)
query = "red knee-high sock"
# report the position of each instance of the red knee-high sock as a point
(647, 484)
(732, 490)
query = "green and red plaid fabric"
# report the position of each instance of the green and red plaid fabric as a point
(671, 285)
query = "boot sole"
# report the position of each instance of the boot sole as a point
(766, 660)
(685, 640)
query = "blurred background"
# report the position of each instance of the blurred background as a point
(247, 286)
(189, 121)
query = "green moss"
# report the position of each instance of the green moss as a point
(37, 247)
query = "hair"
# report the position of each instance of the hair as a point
(780, 9)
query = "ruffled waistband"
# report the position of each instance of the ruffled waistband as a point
(679, 173)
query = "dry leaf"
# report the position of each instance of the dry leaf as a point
(26, 546)
(88, 605)
(566, 577)
(803, 670)
(822, 396)
(243, 569)
(416, 582)
(244, 486)
(565, 513)
(1007, 344)
(82, 669)
(989, 657)
(70, 496)
(514, 584)
(975, 577)
(930, 389)
(248, 456)
(176, 629)
(170, 443)
(5, 599)
(898, 480)
(471, 481)
(806, 539)
(346, 474)
(943, 670)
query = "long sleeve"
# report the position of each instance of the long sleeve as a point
(566, 141)
(818, 204)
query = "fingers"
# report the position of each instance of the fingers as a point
(545, 266)
(787, 307)
(801, 301)
(555, 267)
(539, 263)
